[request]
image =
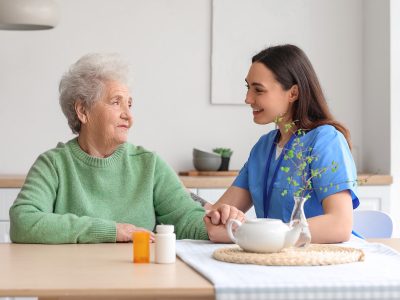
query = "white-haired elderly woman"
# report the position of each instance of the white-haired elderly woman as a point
(97, 187)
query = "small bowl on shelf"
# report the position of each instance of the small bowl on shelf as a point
(203, 154)
(206, 161)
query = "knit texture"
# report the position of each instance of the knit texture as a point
(71, 197)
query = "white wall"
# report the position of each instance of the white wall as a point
(395, 111)
(376, 86)
(168, 44)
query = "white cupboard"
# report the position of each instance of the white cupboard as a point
(7, 197)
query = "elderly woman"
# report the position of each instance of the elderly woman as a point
(97, 187)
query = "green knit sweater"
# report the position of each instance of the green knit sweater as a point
(71, 197)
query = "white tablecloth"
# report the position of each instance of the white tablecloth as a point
(378, 277)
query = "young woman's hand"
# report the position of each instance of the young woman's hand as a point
(124, 232)
(216, 233)
(223, 213)
(216, 219)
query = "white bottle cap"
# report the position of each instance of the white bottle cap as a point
(165, 228)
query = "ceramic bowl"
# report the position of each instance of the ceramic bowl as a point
(203, 154)
(207, 163)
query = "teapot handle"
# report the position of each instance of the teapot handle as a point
(229, 229)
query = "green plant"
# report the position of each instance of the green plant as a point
(224, 152)
(300, 174)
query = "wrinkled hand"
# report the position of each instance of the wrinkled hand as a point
(223, 213)
(124, 232)
(216, 219)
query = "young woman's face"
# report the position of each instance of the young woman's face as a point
(266, 96)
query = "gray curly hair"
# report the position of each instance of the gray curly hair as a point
(85, 81)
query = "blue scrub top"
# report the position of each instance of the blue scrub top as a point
(327, 144)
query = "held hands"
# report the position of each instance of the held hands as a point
(124, 232)
(216, 219)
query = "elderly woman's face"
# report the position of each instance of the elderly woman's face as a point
(110, 118)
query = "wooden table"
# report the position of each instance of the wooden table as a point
(393, 243)
(94, 271)
(99, 271)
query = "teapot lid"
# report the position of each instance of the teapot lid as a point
(273, 224)
(264, 220)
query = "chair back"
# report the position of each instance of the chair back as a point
(372, 224)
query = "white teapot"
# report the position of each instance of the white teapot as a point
(264, 235)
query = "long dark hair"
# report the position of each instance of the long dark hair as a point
(291, 66)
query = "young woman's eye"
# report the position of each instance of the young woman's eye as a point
(259, 91)
(247, 86)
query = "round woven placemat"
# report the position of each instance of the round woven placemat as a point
(313, 255)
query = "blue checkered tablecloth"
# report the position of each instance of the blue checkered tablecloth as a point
(378, 277)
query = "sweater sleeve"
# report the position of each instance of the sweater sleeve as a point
(173, 204)
(33, 219)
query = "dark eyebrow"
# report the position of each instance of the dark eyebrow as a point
(255, 84)
(258, 84)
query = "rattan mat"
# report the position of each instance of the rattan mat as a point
(313, 255)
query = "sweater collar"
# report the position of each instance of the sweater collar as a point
(96, 161)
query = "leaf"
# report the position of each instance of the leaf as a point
(285, 169)
(288, 127)
(290, 153)
(284, 193)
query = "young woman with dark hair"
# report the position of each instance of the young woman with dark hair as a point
(283, 88)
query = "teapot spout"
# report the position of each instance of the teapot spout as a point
(293, 235)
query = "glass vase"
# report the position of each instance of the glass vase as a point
(298, 218)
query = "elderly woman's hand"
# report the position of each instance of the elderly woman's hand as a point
(124, 232)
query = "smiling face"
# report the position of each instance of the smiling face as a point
(108, 121)
(266, 96)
